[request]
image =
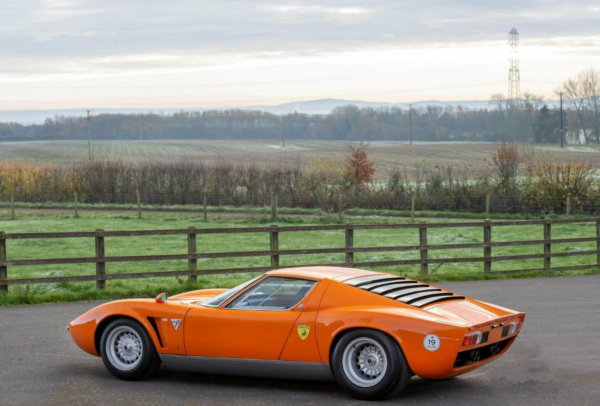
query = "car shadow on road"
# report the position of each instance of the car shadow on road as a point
(183, 387)
(418, 389)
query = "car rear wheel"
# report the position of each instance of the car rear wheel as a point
(369, 365)
(127, 350)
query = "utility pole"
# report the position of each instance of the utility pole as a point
(562, 132)
(88, 118)
(282, 132)
(410, 123)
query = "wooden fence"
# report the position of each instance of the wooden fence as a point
(192, 256)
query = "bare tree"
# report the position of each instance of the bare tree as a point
(532, 103)
(591, 86)
(500, 101)
(582, 93)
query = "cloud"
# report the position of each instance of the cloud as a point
(53, 10)
(317, 9)
(70, 40)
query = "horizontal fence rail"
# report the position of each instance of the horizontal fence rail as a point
(192, 256)
(267, 201)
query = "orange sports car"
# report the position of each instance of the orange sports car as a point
(369, 331)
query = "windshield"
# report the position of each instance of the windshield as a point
(217, 300)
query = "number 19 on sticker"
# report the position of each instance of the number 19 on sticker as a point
(431, 342)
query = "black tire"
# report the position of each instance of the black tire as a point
(381, 350)
(132, 365)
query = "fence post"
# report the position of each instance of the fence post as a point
(100, 266)
(568, 205)
(192, 262)
(205, 213)
(412, 207)
(139, 203)
(598, 242)
(350, 244)
(487, 249)
(76, 206)
(274, 207)
(339, 207)
(547, 244)
(423, 248)
(3, 268)
(487, 206)
(12, 206)
(274, 246)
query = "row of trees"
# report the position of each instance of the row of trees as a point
(347, 123)
(530, 119)
(520, 181)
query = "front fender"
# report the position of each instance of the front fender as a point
(156, 318)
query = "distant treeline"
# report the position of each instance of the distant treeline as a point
(528, 119)
(348, 123)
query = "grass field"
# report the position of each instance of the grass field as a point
(386, 155)
(117, 246)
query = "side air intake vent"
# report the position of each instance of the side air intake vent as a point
(404, 290)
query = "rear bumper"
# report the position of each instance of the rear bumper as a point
(477, 355)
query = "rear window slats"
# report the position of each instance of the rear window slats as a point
(382, 290)
(404, 290)
(435, 299)
(372, 286)
(422, 295)
(358, 282)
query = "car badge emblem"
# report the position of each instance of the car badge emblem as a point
(176, 323)
(303, 331)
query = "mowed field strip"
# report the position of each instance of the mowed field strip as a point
(385, 154)
(177, 244)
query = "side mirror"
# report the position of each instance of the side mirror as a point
(162, 298)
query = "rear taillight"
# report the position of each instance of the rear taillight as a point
(472, 339)
(515, 327)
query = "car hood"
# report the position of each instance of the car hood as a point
(197, 296)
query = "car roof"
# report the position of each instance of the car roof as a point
(323, 272)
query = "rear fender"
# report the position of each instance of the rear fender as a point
(405, 326)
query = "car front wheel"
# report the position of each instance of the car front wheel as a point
(369, 365)
(127, 350)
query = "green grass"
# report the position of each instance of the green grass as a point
(149, 287)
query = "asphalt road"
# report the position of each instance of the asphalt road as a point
(555, 360)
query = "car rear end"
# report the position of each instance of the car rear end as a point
(491, 331)
(465, 333)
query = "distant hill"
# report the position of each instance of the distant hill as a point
(321, 106)
(324, 106)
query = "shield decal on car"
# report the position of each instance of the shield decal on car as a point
(303, 331)
(176, 323)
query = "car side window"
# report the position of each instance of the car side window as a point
(273, 293)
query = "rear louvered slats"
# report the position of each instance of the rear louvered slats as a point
(374, 285)
(422, 295)
(358, 282)
(403, 290)
(382, 290)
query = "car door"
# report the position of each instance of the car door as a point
(253, 325)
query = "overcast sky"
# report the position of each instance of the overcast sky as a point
(184, 53)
